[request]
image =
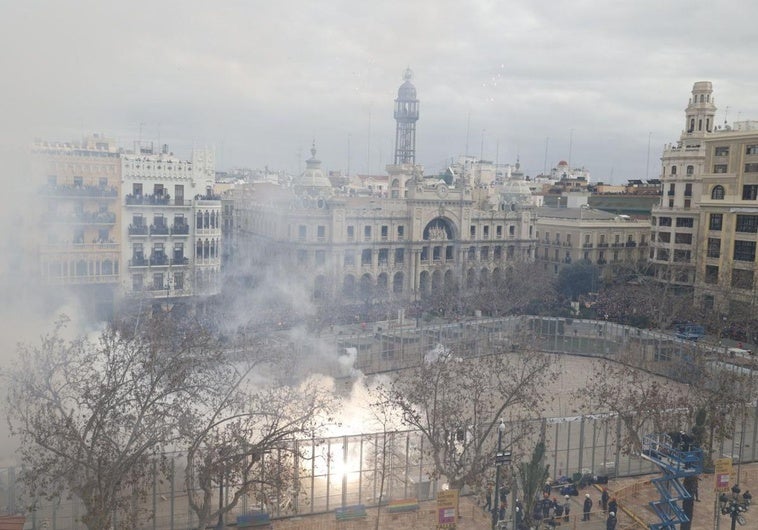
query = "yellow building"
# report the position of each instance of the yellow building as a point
(726, 244)
(704, 230)
(569, 235)
(78, 239)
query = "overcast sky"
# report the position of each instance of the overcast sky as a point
(591, 82)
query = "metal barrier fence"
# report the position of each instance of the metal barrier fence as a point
(346, 470)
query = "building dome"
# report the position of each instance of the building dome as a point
(313, 181)
(515, 192)
(407, 91)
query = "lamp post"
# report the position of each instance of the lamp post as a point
(501, 457)
(733, 507)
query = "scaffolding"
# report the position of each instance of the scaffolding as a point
(677, 457)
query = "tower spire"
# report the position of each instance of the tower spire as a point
(406, 116)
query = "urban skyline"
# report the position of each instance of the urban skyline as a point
(600, 88)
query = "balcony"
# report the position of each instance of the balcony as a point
(137, 230)
(602, 245)
(617, 245)
(87, 218)
(138, 261)
(631, 244)
(670, 193)
(69, 190)
(180, 230)
(158, 260)
(587, 245)
(158, 200)
(158, 230)
(183, 260)
(602, 261)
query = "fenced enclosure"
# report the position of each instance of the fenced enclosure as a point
(355, 469)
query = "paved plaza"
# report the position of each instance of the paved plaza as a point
(633, 494)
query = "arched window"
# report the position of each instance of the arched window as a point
(717, 193)
(702, 98)
(397, 283)
(673, 170)
(690, 170)
(199, 222)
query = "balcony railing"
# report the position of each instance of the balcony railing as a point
(180, 261)
(83, 217)
(160, 230)
(137, 230)
(138, 262)
(587, 245)
(602, 245)
(631, 243)
(181, 230)
(159, 260)
(69, 190)
(148, 199)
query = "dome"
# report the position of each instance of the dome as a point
(407, 91)
(515, 191)
(313, 180)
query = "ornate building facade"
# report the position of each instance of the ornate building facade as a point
(704, 231)
(78, 239)
(425, 236)
(172, 230)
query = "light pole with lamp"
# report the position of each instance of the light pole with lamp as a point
(501, 457)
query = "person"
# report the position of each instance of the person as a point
(504, 491)
(587, 508)
(488, 499)
(610, 523)
(546, 488)
(519, 513)
(557, 509)
(613, 505)
(604, 499)
(547, 507)
(566, 508)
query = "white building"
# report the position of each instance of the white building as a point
(171, 234)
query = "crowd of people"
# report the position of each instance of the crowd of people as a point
(551, 511)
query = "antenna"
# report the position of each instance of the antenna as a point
(647, 164)
(348, 154)
(368, 149)
(468, 130)
(571, 145)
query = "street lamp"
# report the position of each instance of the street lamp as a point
(501, 457)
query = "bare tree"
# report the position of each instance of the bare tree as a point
(457, 402)
(647, 302)
(227, 441)
(637, 397)
(722, 393)
(93, 416)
